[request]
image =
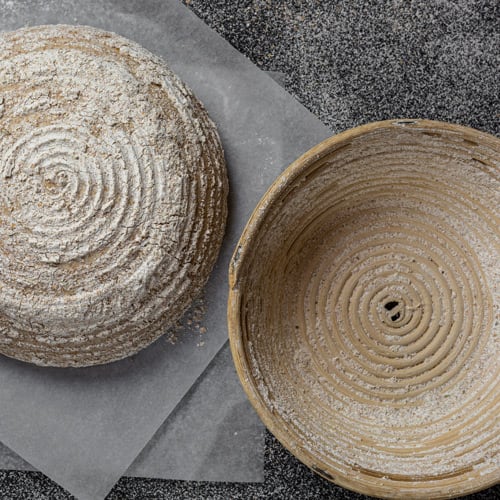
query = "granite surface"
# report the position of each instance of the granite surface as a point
(349, 62)
(353, 62)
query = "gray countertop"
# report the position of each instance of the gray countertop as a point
(349, 62)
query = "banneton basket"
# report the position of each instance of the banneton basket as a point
(363, 309)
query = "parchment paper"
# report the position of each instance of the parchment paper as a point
(84, 427)
(213, 435)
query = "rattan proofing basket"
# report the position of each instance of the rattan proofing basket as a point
(363, 309)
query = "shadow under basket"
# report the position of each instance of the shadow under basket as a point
(363, 309)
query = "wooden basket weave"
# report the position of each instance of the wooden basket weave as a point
(364, 314)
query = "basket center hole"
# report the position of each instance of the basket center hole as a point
(393, 308)
(391, 305)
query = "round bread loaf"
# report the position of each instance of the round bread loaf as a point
(113, 196)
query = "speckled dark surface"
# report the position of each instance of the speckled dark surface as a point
(356, 61)
(349, 62)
